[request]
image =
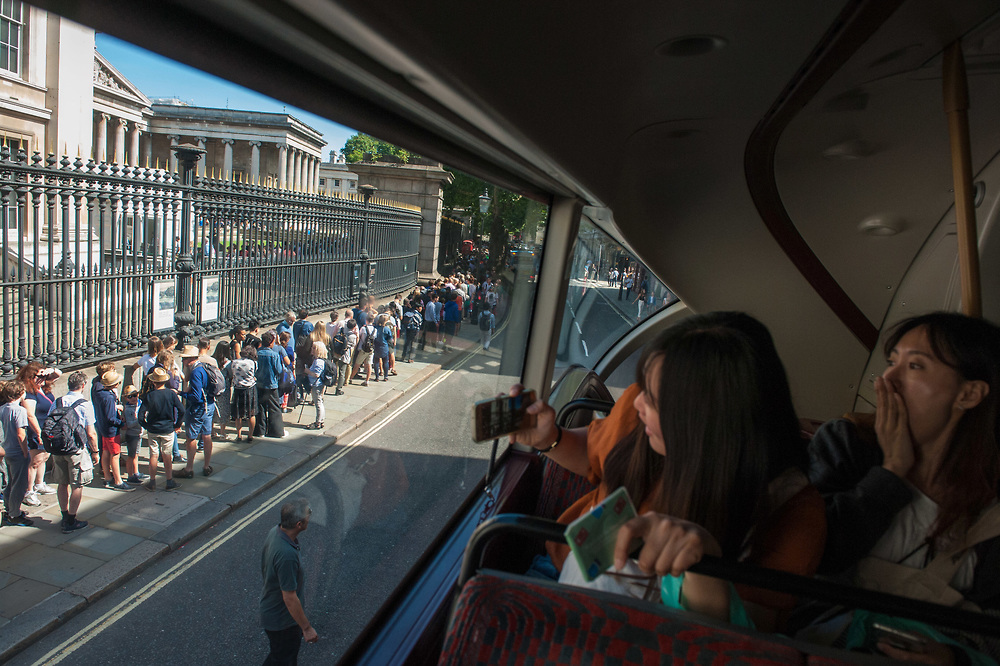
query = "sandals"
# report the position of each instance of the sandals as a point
(184, 473)
(393, 373)
(207, 471)
(318, 425)
(366, 383)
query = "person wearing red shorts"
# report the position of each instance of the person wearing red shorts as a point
(108, 411)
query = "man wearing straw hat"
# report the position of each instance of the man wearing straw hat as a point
(108, 411)
(162, 415)
(200, 403)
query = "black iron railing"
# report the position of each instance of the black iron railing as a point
(90, 251)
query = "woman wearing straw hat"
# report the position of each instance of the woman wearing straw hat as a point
(162, 415)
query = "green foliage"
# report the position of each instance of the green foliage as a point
(508, 213)
(359, 144)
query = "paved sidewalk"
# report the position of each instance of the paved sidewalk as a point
(47, 576)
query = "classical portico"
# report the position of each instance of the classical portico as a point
(273, 149)
(121, 116)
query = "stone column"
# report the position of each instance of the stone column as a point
(101, 152)
(133, 146)
(255, 162)
(316, 165)
(174, 140)
(202, 164)
(227, 159)
(282, 166)
(120, 141)
(147, 154)
(310, 172)
(298, 171)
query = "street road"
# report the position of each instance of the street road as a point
(378, 499)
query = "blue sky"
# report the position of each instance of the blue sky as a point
(157, 76)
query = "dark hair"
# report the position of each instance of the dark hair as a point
(154, 346)
(249, 352)
(12, 389)
(351, 324)
(727, 421)
(284, 337)
(204, 343)
(76, 381)
(266, 339)
(167, 340)
(222, 353)
(970, 472)
(303, 313)
(253, 325)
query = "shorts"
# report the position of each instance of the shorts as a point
(449, 328)
(76, 470)
(430, 326)
(132, 444)
(199, 422)
(162, 445)
(112, 445)
(362, 358)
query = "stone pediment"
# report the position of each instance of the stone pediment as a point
(110, 80)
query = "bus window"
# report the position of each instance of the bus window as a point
(610, 292)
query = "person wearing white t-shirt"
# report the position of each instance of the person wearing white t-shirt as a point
(73, 472)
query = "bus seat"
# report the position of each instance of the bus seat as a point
(576, 396)
(508, 619)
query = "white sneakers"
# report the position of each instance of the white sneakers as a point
(31, 499)
(44, 489)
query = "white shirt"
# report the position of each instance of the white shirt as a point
(84, 411)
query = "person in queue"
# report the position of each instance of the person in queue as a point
(14, 423)
(707, 444)
(922, 487)
(200, 409)
(38, 400)
(162, 415)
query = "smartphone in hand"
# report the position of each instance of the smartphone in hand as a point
(496, 417)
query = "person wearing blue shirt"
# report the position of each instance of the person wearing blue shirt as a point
(269, 369)
(199, 402)
(287, 324)
(302, 326)
(451, 317)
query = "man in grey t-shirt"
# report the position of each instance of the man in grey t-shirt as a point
(281, 613)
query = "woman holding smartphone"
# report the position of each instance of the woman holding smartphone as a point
(706, 443)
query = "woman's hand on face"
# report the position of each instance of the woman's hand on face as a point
(935, 653)
(670, 545)
(544, 433)
(893, 429)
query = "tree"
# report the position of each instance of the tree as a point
(359, 144)
(508, 213)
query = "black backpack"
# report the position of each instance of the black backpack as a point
(484, 320)
(339, 343)
(413, 320)
(329, 376)
(62, 433)
(369, 344)
(216, 382)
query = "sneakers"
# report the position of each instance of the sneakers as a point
(136, 479)
(109, 484)
(31, 499)
(207, 471)
(21, 520)
(339, 392)
(43, 489)
(182, 474)
(75, 525)
(172, 485)
(123, 487)
(151, 486)
(180, 459)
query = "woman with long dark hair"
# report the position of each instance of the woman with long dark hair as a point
(707, 445)
(921, 487)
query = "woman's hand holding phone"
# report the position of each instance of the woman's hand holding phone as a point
(544, 432)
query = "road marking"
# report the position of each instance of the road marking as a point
(82, 637)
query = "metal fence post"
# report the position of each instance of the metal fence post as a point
(368, 191)
(188, 156)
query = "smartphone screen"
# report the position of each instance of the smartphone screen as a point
(501, 416)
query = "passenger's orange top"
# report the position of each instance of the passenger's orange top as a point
(791, 539)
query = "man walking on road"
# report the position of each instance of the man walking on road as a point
(281, 612)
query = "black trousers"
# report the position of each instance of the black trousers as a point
(270, 406)
(284, 646)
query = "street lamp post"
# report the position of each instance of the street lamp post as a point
(367, 191)
(188, 156)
